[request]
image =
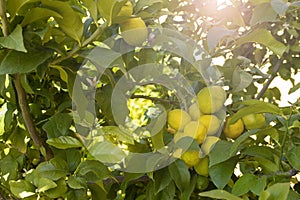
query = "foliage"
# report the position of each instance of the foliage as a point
(58, 141)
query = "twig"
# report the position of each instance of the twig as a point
(98, 32)
(4, 18)
(154, 99)
(266, 86)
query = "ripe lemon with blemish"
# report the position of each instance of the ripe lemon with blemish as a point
(178, 118)
(211, 122)
(211, 99)
(196, 130)
(191, 157)
(233, 130)
(208, 144)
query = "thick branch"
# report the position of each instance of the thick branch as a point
(267, 84)
(25, 112)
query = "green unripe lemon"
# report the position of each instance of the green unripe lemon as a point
(178, 118)
(202, 183)
(253, 121)
(211, 99)
(134, 31)
(202, 166)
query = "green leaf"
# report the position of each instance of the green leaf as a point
(264, 37)
(294, 88)
(64, 142)
(263, 13)
(13, 6)
(260, 185)
(119, 132)
(162, 179)
(221, 172)
(275, 192)
(244, 184)
(106, 152)
(255, 106)
(76, 182)
(9, 166)
(20, 62)
(21, 188)
(14, 40)
(58, 191)
(180, 174)
(45, 184)
(219, 194)
(93, 170)
(54, 169)
(25, 84)
(240, 80)
(110, 9)
(293, 157)
(58, 125)
(91, 5)
(279, 6)
(220, 153)
(215, 34)
(36, 14)
(71, 22)
(145, 3)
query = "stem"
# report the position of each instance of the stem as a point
(98, 32)
(266, 86)
(4, 18)
(153, 99)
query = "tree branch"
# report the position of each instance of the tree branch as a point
(154, 99)
(22, 100)
(267, 84)
(98, 32)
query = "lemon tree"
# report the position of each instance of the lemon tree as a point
(178, 67)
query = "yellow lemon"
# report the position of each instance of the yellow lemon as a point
(211, 99)
(253, 121)
(177, 119)
(202, 166)
(194, 111)
(196, 130)
(233, 130)
(211, 122)
(126, 10)
(191, 158)
(134, 31)
(208, 144)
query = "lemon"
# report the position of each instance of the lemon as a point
(194, 111)
(211, 122)
(126, 10)
(202, 183)
(202, 166)
(233, 130)
(134, 31)
(196, 130)
(208, 144)
(191, 158)
(178, 118)
(253, 121)
(211, 99)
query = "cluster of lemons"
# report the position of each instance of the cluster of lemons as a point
(133, 29)
(203, 122)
